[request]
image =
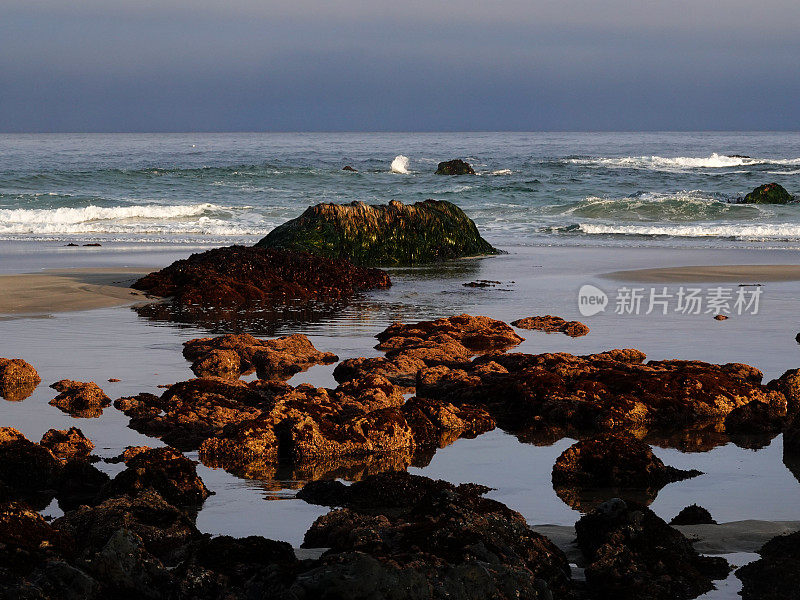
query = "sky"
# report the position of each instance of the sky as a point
(447, 65)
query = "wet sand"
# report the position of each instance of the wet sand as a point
(66, 290)
(742, 274)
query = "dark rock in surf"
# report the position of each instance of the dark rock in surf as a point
(634, 555)
(693, 515)
(770, 193)
(455, 167)
(349, 168)
(396, 234)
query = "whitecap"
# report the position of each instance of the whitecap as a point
(400, 165)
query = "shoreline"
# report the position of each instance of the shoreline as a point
(742, 274)
(68, 290)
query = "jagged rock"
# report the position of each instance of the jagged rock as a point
(450, 341)
(349, 168)
(18, 379)
(67, 443)
(776, 575)
(551, 324)
(693, 515)
(164, 470)
(454, 167)
(382, 235)
(770, 193)
(619, 463)
(164, 529)
(633, 554)
(27, 469)
(262, 277)
(233, 355)
(598, 392)
(80, 399)
(444, 540)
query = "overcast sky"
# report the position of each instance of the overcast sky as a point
(247, 65)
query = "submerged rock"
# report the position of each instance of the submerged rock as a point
(693, 515)
(618, 463)
(770, 193)
(399, 532)
(233, 355)
(18, 379)
(551, 324)
(262, 277)
(776, 575)
(454, 167)
(67, 443)
(633, 554)
(393, 234)
(80, 399)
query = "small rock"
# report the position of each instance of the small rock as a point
(693, 515)
(349, 168)
(454, 167)
(551, 324)
(95, 244)
(114, 380)
(721, 317)
(80, 399)
(67, 443)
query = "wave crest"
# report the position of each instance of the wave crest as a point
(400, 165)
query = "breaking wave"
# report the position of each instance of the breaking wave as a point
(776, 231)
(400, 165)
(660, 163)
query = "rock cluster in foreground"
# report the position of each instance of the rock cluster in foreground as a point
(393, 234)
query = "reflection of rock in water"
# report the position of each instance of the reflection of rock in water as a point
(254, 318)
(17, 393)
(792, 462)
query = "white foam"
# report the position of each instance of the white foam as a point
(502, 172)
(400, 165)
(97, 213)
(706, 230)
(660, 163)
(795, 172)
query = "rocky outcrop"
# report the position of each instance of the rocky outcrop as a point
(164, 470)
(776, 575)
(770, 193)
(237, 354)
(243, 427)
(551, 324)
(454, 167)
(615, 465)
(263, 277)
(80, 399)
(450, 341)
(693, 515)
(18, 379)
(398, 532)
(598, 392)
(67, 444)
(633, 554)
(382, 235)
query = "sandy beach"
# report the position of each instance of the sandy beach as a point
(740, 274)
(66, 290)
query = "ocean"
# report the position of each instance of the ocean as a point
(631, 189)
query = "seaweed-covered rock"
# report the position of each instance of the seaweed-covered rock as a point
(232, 355)
(633, 554)
(67, 443)
(770, 193)
(445, 541)
(80, 399)
(693, 515)
(164, 470)
(18, 379)
(598, 392)
(454, 167)
(450, 341)
(164, 529)
(263, 277)
(776, 575)
(382, 235)
(551, 324)
(618, 463)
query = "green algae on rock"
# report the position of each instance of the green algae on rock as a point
(770, 193)
(396, 234)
